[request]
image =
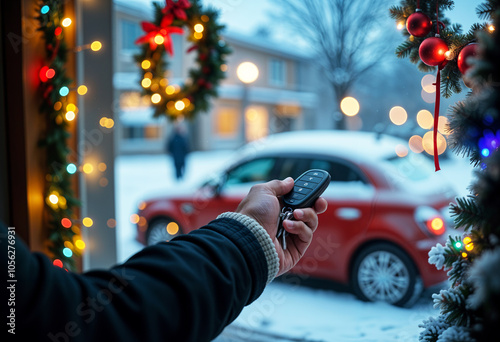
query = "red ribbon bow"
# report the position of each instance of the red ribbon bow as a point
(177, 8)
(164, 30)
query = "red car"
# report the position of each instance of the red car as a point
(385, 212)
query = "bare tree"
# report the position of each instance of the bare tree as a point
(347, 36)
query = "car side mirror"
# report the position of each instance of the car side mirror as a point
(215, 186)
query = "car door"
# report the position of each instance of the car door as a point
(350, 198)
(235, 184)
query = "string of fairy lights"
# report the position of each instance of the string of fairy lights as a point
(59, 106)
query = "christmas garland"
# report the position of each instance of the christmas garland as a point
(204, 33)
(64, 237)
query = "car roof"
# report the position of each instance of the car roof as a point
(356, 146)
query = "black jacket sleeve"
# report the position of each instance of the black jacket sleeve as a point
(187, 289)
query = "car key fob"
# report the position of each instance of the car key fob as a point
(308, 187)
(306, 190)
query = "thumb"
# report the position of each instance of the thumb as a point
(280, 188)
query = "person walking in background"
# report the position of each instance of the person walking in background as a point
(178, 147)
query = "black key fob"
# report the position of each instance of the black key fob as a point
(308, 187)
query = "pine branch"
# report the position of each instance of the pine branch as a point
(466, 213)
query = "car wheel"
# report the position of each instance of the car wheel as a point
(383, 272)
(160, 230)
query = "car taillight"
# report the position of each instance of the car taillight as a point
(430, 220)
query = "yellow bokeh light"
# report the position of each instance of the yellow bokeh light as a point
(71, 107)
(109, 123)
(398, 115)
(57, 105)
(82, 90)
(156, 98)
(66, 22)
(437, 224)
(146, 64)
(247, 72)
(170, 90)
(349, 106)
(428, 97)
(70, 115)
(198, 28)
(400, 25)
(172, 228)
(96, 45)
(428, 143)
(415, 144)
(134, 218)
(425, 119)
(205, 18)
(80, 244)
(469, 247)
(142, 206)
(464, 255)
(427, 83)
(198, 35)
(223, 67)
(179, 105)
(401, 150)
(68, 244)
(467, 240)
(87, 168)
(53, 198)
(186, 101)
(146, 82)
(102, 167)
(87, 222)
(159, 39)
(491, 28)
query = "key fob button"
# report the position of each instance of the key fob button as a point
(298, 196)
(304, 184)
(312, 179)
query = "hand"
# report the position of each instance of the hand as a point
(262, 204)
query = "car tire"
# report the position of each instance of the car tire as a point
(157, 231)
(383, 272)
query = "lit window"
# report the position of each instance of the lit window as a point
(226, 122)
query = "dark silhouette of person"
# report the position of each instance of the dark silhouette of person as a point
(178, 147)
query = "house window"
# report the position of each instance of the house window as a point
(278, 72)
(256, 123)
(130, 32)
(227, 122)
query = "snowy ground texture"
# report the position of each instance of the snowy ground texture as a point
(285, 312)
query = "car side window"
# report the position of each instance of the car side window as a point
(255, 171)
(340, 172)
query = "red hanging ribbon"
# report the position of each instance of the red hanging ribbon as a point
(436, 118)
(438, 97)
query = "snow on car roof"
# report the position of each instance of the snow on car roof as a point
(351, 145)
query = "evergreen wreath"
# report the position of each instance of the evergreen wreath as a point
(204, 33)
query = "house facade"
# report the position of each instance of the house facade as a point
(287, 95)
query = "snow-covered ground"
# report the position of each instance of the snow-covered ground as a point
(284, 312)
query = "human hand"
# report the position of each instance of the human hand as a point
(262, 204)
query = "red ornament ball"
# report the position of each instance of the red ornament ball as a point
(468, 51)
(432, 51)
(419, 24)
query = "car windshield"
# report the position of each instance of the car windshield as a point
(413, 168)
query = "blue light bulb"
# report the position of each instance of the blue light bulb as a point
(45, 9)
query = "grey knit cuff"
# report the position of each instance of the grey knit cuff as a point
(273, 261)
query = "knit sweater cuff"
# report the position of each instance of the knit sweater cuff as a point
(273, 262)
